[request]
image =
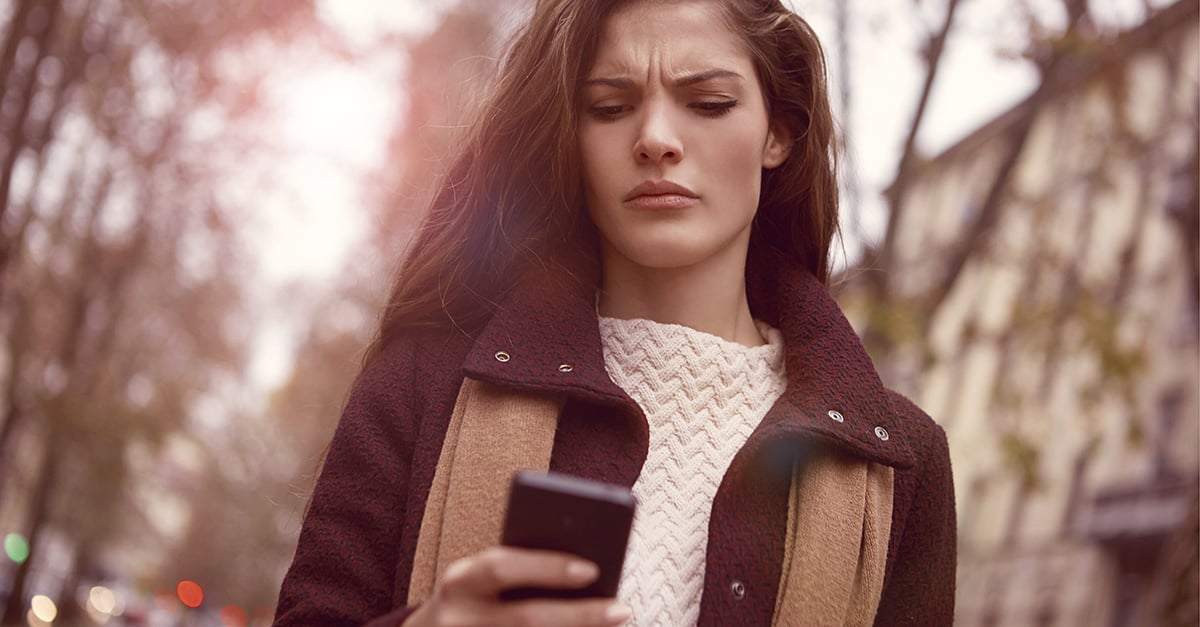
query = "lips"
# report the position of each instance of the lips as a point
(658, 195)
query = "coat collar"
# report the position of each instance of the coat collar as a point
(545, 337)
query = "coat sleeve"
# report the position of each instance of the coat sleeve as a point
(920, 588)
(344, 569)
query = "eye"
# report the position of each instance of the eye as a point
(605, 113)
(713, 109)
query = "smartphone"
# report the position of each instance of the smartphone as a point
(558, 512)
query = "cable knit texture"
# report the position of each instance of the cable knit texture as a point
(702, 396)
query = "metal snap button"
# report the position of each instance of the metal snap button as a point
(836, 415)
(881, 433)
(566, 368)
(502, 357)
(738, 589)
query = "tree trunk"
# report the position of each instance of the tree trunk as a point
(67, 354)
(13, 414)
(12, 38)
(70, 612)
(74, 59)
(15, 605)
(16, 127)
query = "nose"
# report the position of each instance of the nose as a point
(658, 141)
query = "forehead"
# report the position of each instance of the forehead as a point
(672, 36)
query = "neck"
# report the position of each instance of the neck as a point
(707, 297)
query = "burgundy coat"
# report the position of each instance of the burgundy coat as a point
(359, 536)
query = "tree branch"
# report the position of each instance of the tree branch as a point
(895, 194)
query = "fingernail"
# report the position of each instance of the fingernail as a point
(618, 613)
(582, 569)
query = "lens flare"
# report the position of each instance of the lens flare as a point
(190, 593)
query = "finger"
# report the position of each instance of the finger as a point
(488, 572)
(577, 613)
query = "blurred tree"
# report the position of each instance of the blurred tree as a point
(445, 69)
(119, 252)
(306, 406)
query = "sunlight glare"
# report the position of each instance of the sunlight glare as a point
(338, 111)
(365, 21)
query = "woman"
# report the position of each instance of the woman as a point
(638, 227)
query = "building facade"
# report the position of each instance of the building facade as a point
(1064, 361)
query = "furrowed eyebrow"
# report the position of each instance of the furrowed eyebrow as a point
(700, 77)
(617, 83)
(683, 81)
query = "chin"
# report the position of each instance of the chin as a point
(668, 257)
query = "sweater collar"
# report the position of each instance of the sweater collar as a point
(545, 338)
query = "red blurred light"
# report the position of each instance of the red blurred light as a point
(190, 593)
(233, 616)
(166, 601)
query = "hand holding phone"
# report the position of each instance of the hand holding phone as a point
(556, 512)
(469, 592)
(538, 578)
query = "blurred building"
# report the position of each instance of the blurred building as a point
(1063, 361)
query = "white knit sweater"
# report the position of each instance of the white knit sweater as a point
(702, 396)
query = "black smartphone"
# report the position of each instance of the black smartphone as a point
(558, 512)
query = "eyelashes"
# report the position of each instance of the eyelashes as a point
(609, 112)
(714, 109)
(706, 108)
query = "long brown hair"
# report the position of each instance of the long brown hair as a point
(513, 194)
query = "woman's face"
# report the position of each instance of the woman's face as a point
(674, 135)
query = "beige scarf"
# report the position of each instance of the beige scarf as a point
(839, 509)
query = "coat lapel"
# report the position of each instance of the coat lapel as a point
(545, 338)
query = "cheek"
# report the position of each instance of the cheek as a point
(736, 160)
(745, 149)
(591, 161)
(596, 158)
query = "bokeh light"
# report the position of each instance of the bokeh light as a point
(32, 620)
(190, 593)
(102, 599)
(233, 616)
(43, 608)
(16, 547)
(164, 600)
(100, 604)
(118, 604)
(97, 618)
